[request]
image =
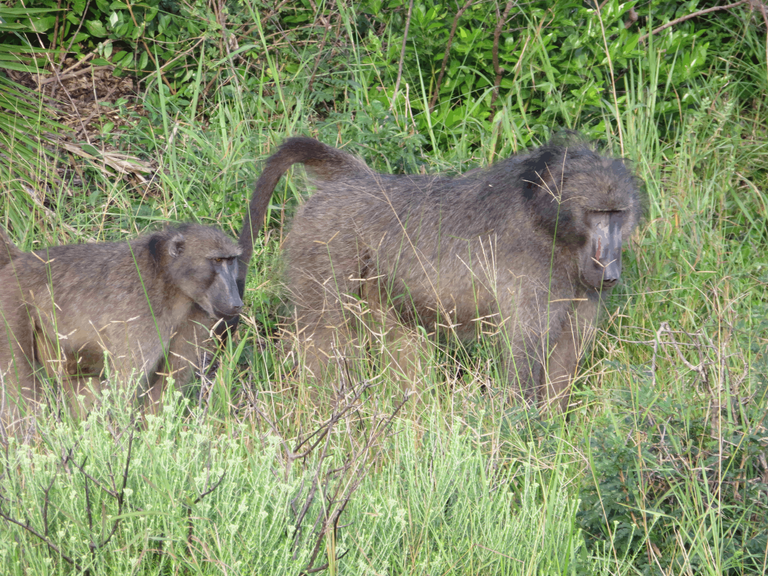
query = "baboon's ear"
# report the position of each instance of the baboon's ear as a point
(542, 183)
(166, 244)
(542, 177)
(175, 245)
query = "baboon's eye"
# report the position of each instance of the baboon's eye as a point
(218, 260)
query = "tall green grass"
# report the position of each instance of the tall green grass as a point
(659, 467)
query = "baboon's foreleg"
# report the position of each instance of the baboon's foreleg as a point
(524, 354)
(186, 355)
(566, 353)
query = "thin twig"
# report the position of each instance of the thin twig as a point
(693, 15)
(56, 550)
(46, 502)
(436, 91)
(326, 23)
(355, 468)
(613, 81)
(151, 56)
(402, 55)
(190, 525)
(496, 67)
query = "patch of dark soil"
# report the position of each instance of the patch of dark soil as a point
(83, 95)
(93, 102)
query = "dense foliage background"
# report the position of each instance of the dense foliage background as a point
(116, 117)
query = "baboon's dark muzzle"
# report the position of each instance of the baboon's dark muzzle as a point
(226, 302)
(606, 246)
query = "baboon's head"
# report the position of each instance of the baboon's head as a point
(202, 263)
(586, 202)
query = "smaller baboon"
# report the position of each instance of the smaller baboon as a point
(148, 305)
(528, 246)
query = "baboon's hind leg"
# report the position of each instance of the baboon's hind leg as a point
(399, 350)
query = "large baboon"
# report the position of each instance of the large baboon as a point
(147, 305)
(529, 244)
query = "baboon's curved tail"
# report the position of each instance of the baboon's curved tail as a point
(8, 250)
(322, 161)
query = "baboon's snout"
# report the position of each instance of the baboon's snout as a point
(222, 299)
(232, 306)
(612, 273)
(606, 249)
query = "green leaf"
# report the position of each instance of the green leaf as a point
(96, 28)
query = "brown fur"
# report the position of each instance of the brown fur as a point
(149, 304)
(321, 159)
(523, 244)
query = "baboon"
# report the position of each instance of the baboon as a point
(147, 304)
(529, 245)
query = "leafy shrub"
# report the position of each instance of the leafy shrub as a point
(554, 65)
(667, 460)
